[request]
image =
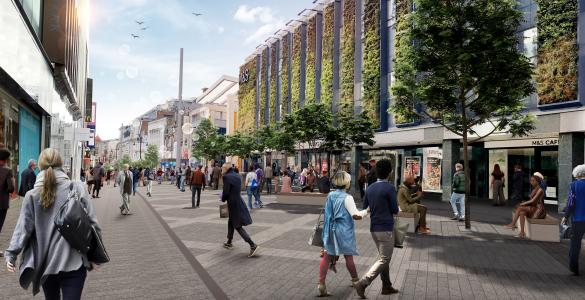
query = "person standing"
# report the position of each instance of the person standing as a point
(197, 184)
(136, 173)
(339, 229)
(371, 177)
(159, 176)
(409, 204)
(6, 186)
(498, 182)
(172, 176)
(362, 180)
(188, 174)
(286, 183)
(98, 178)
(239, 215)
(251, 187)
(28, 178)
(268, 175)
(575, 210)
(89, 178)
(48, 261)
(325, 184)
(149, 175)
(458, 195)
(215, 176)
(380, 198)
(125, 180)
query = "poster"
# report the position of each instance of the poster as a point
(432, 159)
(411, 166)
(499, 157)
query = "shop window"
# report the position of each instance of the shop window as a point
(33, 10)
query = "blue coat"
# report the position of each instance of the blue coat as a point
(339, 228)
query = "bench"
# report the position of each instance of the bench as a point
(409, 218)
(544, 230)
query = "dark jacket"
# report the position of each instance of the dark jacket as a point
(381, 199)
(238, 212)
(459, 182)
(6, 187)
(27, 181)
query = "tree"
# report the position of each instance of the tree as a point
(208, 143)
(151, 157)
(125, 160)
(457, 63)
(239, 144)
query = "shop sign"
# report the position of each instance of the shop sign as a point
(549, 142)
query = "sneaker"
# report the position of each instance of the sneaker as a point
(389, 291)
(228, 246)
(455, 218)
(253, 251)
(322, 290)
(461, 219)
(360, 289)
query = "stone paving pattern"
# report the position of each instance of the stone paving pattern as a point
(451, 263)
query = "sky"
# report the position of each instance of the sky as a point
(132, 75)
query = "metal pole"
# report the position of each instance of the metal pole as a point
(179, 131)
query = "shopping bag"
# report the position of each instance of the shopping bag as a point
(316, 238)
(399, 233)
(223, 210)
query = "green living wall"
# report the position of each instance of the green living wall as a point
(403, 42)
(263, 87)
(556, 71)
(273, 86)
(347, 57)
(327, 63)
(311, 60)
(296, 69)
(371, 69)
(284, 75)
(247, 96)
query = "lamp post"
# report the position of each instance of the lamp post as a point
(178, 132)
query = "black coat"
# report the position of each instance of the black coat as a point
(238, 212)
(27, 181)
(6, 187)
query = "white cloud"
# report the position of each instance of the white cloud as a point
(264, 32)
(220, 29)
(252, 15)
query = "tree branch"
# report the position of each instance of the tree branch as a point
(449, 127)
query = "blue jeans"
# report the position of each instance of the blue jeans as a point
(70, 284)
(134, 185)
(257, 195)
(577, 232)
(458, 198)
(251, 191)
(182, 183)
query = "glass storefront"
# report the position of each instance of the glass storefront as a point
(9, 129)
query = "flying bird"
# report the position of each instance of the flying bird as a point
(144, 28)
(197, 14)
(139, 22)
(135, 36)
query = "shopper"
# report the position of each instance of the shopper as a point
(362, 180)
(380, 198)
(197, 184)
(268, 175)
(89, 178)
(159, 176)
(6, 186)
(28, 178)
(215, 176)
(339, 229)
(183, 179)
(498, 183)
(409, 204)
(517, 184)
(458, 195)
(98, 178)
(260, 178)
(188, 174)
(575, 211)
(286, 183)
(252, 187)
(311, 180)
(125, 180)
(172, 176)
(371, 177)
(325, 184)
(239, 215)
(48, 260)
(533, 208)
(149, 175)
(135, 179)
(179, 175)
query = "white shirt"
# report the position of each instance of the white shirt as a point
(250, 177)
(349, 204)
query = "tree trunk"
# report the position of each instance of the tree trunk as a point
(467, 180)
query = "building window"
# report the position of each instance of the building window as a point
(33, 10)
(529, 44)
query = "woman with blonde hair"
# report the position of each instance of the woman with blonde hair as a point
(47, 258)
(339, 229)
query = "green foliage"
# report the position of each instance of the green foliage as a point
(309, 124)
(296, 69)
(284, 76)
(403, 89)
(556, 71)
(247, 96)
(371, 69)
(151, 157)
(348, 57)
(311, 60)
(208, 143)
(263, 87)
(126, 160)
(273, 86)
(327, 62)
(350, 131)
(240, 144)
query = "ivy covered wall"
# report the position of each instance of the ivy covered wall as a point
(273, 85)
(284, 76)
(556, 70)
(371, 68)
(263, 87)
(296, 69)
(247, 96)
(327, 63)
(311, 60)
(403, 9)
(348, 57)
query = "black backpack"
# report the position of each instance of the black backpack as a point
(72, 221)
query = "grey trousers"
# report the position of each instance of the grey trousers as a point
(498, 192)
(125, 202)
(385, 245)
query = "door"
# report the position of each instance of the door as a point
(30, 138)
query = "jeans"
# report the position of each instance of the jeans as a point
(182, 185)
(70, 284)
(458, 198)
(268, 183)
(577, 230)
(241, 231)
(251, 191)
(385, 244)
(179, 178)
(172, 178)
(195, 191)
(134, 185)
(96, 188)
(125, 202)
(159, 179)
(149, 186)
(257, 197)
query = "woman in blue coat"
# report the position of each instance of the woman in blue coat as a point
(339, 229)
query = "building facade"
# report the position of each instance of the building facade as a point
(43, 78)
(325, 57)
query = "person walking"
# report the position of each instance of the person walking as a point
(268, 175)
(89, 178)
(371, 177)
(125, 181)
(159, 176)
(172, 176)
(575, 211)
(239, 215)
(48, 261)
(135, 179)
(215, 176)
(251, 187)
(286, 183)
(533, 208)
(339, 230)
(149, 175)
(362, 180)
(458, 195)
(517, 184)
(197, 184)
(188, 174)
(408, 203)
(260, 178)
(498, 183)
(380, 198)
(28, 178)
(108, 176)
(98, 178)
(7, 186)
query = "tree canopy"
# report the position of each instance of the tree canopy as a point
(208, 143)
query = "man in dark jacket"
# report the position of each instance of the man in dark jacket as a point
(197, 183)
(28, 178)
(239, 215)
(98, 177)
(215, 176)
(6, 186)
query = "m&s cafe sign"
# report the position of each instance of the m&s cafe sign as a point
(547, 142)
